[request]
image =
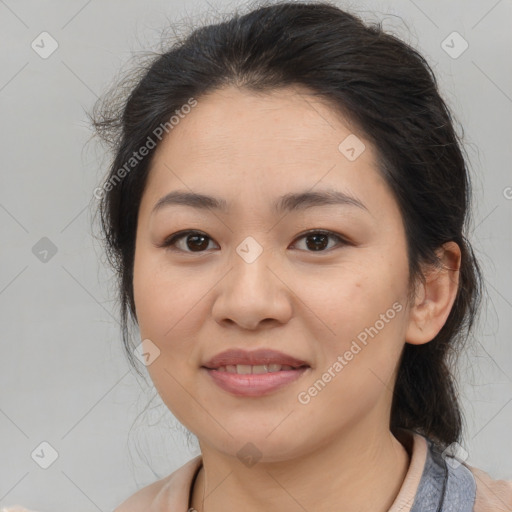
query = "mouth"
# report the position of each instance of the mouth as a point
(254, 381)
(254, 384)
(255, 373)
(247, 369)
(256, 361)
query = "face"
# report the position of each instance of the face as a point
(325, 282)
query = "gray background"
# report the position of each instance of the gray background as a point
(64, 378)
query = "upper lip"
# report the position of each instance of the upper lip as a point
(254, 357)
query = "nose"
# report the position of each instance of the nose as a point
(253, 292)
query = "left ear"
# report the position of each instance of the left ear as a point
(435, 296)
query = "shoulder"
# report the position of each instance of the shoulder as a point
(491, 495)
(168, 493)
(460, 486)
(145, 498)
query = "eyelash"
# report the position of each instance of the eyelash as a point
(169, 242)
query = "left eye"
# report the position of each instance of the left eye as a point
(320, 240)
(195, 238)
(197, 241)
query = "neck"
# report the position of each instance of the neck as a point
(344, 473)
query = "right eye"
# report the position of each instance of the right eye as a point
(194, 240)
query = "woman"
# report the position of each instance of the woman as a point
(286, 211)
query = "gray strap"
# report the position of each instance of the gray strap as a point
(445, 485)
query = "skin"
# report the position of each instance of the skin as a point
(250, 149)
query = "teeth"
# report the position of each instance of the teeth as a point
(245, 369)
(277, 367)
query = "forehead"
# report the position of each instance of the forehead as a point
(234, 122)
(256, 144)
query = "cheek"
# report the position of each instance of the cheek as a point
(357, 369)
(358, 295)
(366, 312)
(147, 296)
(163, 296)
(175, 385)
(163, 302)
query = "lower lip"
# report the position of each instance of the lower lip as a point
(254, 384)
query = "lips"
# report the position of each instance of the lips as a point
(254, 385)
(235, 357)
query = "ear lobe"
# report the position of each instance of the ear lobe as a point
(435, 296)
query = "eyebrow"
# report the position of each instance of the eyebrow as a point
(287, 203)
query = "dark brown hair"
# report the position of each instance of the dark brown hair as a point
(379, 83)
